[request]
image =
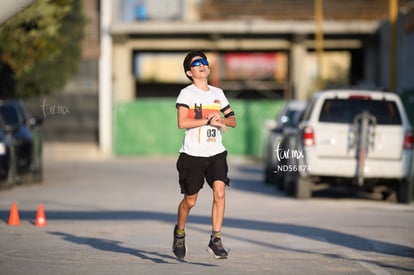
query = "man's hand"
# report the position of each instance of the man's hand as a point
(216, 121)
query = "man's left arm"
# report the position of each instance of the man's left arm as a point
(229, 118)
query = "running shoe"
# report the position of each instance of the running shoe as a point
(179, 246)
(215, 248)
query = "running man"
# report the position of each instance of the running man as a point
(202, 155)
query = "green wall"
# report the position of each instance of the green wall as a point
(149, 127)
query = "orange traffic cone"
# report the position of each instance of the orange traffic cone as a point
(14, 215)
(40, 216)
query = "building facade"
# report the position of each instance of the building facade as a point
(278, 34)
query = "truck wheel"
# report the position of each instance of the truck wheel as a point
(288, 185)
(269, 177)
(404, 191)
(303, 188)
(280, 182)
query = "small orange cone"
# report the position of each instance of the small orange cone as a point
(14, 215)
(40, 216)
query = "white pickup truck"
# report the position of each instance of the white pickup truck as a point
(351, 137)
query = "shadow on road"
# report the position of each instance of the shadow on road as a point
(314, 233)
(115, 246)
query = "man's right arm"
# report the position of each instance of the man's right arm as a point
(184, 122)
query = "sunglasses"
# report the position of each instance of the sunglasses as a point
(198, 62)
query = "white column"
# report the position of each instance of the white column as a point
(298, 73)
(123, 79)
(105, 80)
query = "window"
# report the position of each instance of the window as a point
(344, 111)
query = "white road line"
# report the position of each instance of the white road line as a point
(319, 242)
(377, 270)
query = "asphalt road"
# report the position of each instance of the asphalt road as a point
(116, 216)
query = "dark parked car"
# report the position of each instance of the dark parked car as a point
(26, 140)
(286, 124)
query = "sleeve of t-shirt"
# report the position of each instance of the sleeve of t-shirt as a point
(183, 99)
(224, 103)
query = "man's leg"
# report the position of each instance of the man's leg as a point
(215, 247)
(218, 207)
(179, 245)
(184, 208)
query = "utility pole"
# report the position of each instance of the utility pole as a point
(393, 13)
(318, 9)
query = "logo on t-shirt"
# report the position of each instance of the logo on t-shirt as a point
(198, 110)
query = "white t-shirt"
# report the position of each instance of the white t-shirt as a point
(204, 141)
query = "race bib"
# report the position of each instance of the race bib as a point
(209, 134)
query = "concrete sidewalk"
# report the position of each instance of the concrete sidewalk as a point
(72, 151)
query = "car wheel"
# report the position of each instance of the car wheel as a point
(404, 191)
(10, 178)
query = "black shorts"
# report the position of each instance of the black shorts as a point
(193, 170)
